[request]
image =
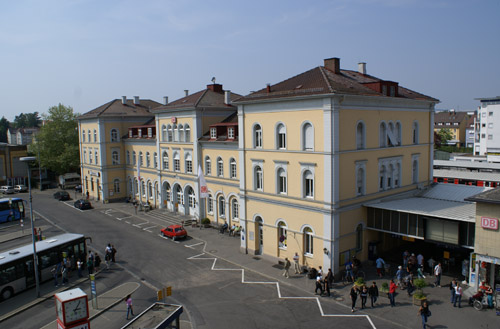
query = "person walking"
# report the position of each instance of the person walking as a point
(296, 263)
(319, 285)
(373, 293)
(55, 272)
(79, 266)
(287, 268)
(130, 309)
(437, 272)
(392, 292)
(90, 266)
(420, 272)
(364, 296)
(399, 276)
(453, 285)
(458, 295)
(354, 296)
(328, 282)
(113, 253)
(64, 274)
(424, 312)
(97, 262)
(380, 266)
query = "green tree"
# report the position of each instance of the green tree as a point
(445, 135)
(57, 140)
(27, 120)
(4, 126)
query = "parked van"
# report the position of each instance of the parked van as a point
(7, 189)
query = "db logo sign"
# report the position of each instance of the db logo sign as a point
(204, 189)
(489, 223)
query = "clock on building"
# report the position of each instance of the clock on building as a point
(71, 307)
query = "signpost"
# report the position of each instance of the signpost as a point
(93, 291)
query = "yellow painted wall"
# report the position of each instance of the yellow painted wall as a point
(487, 241)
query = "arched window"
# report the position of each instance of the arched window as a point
(208, 166)
(189, 164)
(397, 179)
(170, 133)
(168, 192)
(155, 160)
(141, 159)
(232, 168)
(257, 136)
(187, 133)
(179, 195)
(382, 175)
(281, 181)
(282, 235)
(415, 132)
(391, 139)
(143, 188)
(359, 237)
(114, 135)
(90, 156)
(89, 135)
(180, 129)
(128, 157)
(84, 156)
(258, 179)
(389, 176)
(308, 184)
(383, 135)
(360, 181)
(96, 157)
(210, 204)
(220, 167)
(234, 209)
(165, 160)
(134, 158)
(414, 176)
(148, 160)
(164, 133)
(150, 190)
(360, 136)
(176, 133)
(308, 137)
(116, 186)
(398, 134)
(95, 136)
(177, 162)
(222, 206)
(83, 136)
(308, 241)
(115, 157)
(281, 136)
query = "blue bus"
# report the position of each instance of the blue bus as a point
(11, 209)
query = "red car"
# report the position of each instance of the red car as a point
(174, 232)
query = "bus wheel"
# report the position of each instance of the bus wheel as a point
(7, 293)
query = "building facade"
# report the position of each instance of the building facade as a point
(487, 132)
(292, 164)
(455, 122)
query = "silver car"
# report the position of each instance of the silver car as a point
(20, 188)
(7, 189)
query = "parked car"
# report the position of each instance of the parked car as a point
(174, 232)
(78, 188)
(20, 188)
(7, 189)
(62, 196)
(82, 204)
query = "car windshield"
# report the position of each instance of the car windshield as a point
(178, 229)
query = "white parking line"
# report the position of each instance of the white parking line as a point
(147, 228)
(139, 225)
(72, 206)
(127, 222)
(120, 218)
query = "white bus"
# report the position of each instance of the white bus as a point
(17, 268)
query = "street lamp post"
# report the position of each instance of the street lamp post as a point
(35, 261)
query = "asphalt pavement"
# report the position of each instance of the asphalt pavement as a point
(215, 246)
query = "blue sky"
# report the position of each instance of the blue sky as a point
(84, 53)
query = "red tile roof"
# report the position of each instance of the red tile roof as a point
(116, 108)
(321, 80)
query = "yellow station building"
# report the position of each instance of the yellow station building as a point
(292, 164)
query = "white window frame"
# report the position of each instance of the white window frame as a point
(415, 167)
(210, 204)
(95, 136)
(213, 133)
(360, 178)
(415, 133)
(382, 134)
(221, 206)
(257, 136)
(280, 131)
(187, 133)
(208, 166)
(134, 158)
(165, 161)
(180, 129)
(258, 178)
(155, 160)
(164, 133)
(307, 143)
(141, 159)
(282, 231)
(281, 180)
(114, 135)
(170, 133)
(188, 163)
(148, 160)
(232, 168)
(115, 157)
(128, 157)
(116, 185)
(308, 235)
(360, 135)
(220, 167)
(235, 209)
(96, 153)
(230, 133)
(177, 162)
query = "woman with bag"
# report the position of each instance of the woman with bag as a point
(424, 312)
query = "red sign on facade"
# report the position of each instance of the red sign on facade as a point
(174, 120)
(489, 223)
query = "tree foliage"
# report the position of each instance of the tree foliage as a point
(4, 126)
(57, 140)
(27, 120)
(443, 136)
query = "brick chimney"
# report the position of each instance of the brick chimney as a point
(268, 87)
(333, 64)
(215, 87)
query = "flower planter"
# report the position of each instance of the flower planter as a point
(419, 301)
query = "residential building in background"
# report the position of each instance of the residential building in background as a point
(470, 130)
(12, 170)
(455, 122)
(488, 129)
(21, 136)
(293, 164)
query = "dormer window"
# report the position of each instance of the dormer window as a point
(213, 133)
(230, 133)
(130, 133)
(139, 132)
(150, 132)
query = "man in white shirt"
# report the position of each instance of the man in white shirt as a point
(437, 273)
